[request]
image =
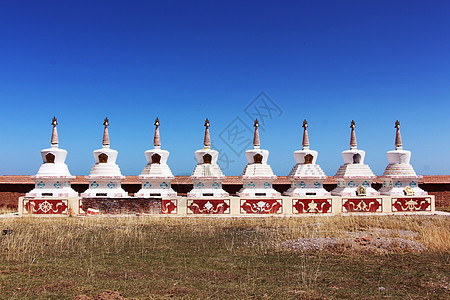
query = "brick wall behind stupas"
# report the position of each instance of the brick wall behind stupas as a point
(13, 187)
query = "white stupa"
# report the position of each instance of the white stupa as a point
(257, 176)
(105, 178)
(53, 178)
(306, 177)
(156, 176)
(207, 176)
(399, 178)
(354, 178)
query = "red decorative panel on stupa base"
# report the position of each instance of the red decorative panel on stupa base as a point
(301, 206)
(362, 205)
(46, 206)
(208, 206)
(261, 206)
(169, 206)
(411, 204)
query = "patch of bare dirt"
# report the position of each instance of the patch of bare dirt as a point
(358, 244)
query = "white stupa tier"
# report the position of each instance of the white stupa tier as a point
(354, 178)
(53, 177)
(257, 176)
(399, 178)
(105, 178)
(306, 176)
(207, 177)
(156, 177)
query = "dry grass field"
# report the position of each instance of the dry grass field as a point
(225, 258)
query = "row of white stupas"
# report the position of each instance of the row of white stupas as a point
(353, 177)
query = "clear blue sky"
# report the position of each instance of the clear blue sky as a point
(325, 61)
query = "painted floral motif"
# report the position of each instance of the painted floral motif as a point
(266, 185)
(311, 205)
(200, 185)
(411, 204)
(94, 184)
(413, 184)
(57, 185)
(210, 206)
(111, 185)
(361, 205)
(398, 184)
(263, 206)
(45, 207)
(169, 206)
(40, 184)
(317, 184)
(164, 185)
(302, 184)
(351, 183)
(216, 185)
(147, 185)
(251, 185)
(366, 184)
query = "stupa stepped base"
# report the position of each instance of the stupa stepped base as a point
(52, 186)
(207, 187)
(151, 193)
(306, 192)
(228, 206)
(155, 187)
(105, 186)
(353, 192)
(306, 187)
(258, 187)
(354, 186)
(356, 170)
(61, 192)
(401, 186)
(399, 170)
(307, 170)
(400, 192)
(105, 193)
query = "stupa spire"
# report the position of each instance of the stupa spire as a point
(54, 140)
(156, 138)
(353, 143)
(105, 142)
(207, 139)
(398, 137)
(256, 142)
(305, 142)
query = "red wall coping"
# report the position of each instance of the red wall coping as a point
(26, 179)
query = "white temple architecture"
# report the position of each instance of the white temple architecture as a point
(257, 176)
(400, 193)
(399, 178)
(354, 178)
(306, 176)
(156, 176)
(105, 178)
(207, 177)
(53, 177)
